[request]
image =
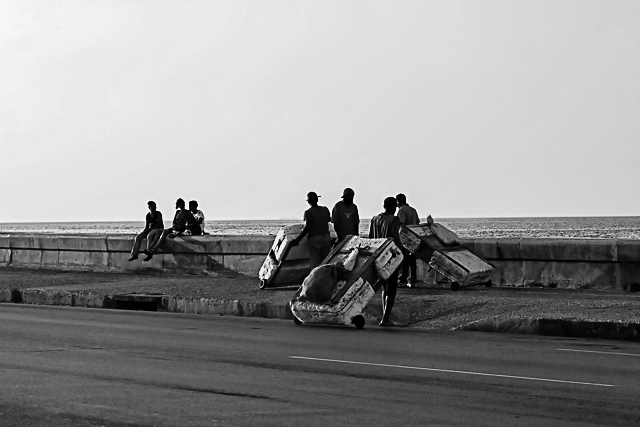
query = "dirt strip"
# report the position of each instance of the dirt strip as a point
(429, 306)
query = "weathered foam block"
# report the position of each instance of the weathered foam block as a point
(244, 264)
(26, 258)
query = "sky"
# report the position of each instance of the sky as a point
(470, 108)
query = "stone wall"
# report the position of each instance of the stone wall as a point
(562, 263)
(192, 255)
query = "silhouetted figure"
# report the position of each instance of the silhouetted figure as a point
(316, 220)
(180, 221)
(196, 229)
(344, 216)
(407, 216)
(384, 225)
(153, 221)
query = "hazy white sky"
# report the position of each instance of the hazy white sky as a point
(471, 108)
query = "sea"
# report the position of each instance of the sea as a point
(627, 227)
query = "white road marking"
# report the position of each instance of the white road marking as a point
(599, 352)
(384, 365)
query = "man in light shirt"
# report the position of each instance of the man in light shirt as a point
(407, 216)
(199, 216)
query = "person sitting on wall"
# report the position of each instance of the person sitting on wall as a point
(153, 221)
(180, 221)
(196, 229)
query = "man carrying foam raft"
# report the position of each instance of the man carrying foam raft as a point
(384, 225)
(344, 216)
(316, 225)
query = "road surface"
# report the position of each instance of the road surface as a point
(64, 367)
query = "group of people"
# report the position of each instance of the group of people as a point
(185, 221)
(346, 221)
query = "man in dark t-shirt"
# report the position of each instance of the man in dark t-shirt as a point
(153, 221)
(316, 225)
(344, 216)
(384, 225)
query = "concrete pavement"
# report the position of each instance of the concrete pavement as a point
(80, 367)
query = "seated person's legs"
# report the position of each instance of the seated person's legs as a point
(162, 238)
(136, 245)
(153, 237)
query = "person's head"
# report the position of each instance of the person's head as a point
(193, 206)
(347, 196)
(312, 198)
(389, 205)
(152, 205)
(179, 204)
(401, 199)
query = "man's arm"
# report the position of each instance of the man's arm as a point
(147, 222)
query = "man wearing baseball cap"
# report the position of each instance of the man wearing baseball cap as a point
(344, 216)
(316, 225)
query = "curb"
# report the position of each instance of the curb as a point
(168, 304)
(558, 328)
(531, 326)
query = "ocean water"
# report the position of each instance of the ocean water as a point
(568, 227)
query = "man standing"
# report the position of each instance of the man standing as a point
(384, 225)
(197, 229)
(316, 225)
(153, 221)
(344, 216)
(407, 216)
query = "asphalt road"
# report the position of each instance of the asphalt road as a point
(64, 366)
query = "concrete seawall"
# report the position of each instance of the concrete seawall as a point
(562, 263)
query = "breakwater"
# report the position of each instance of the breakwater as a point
(607, 264)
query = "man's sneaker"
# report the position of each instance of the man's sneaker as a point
(411, 285)
(133, 258)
